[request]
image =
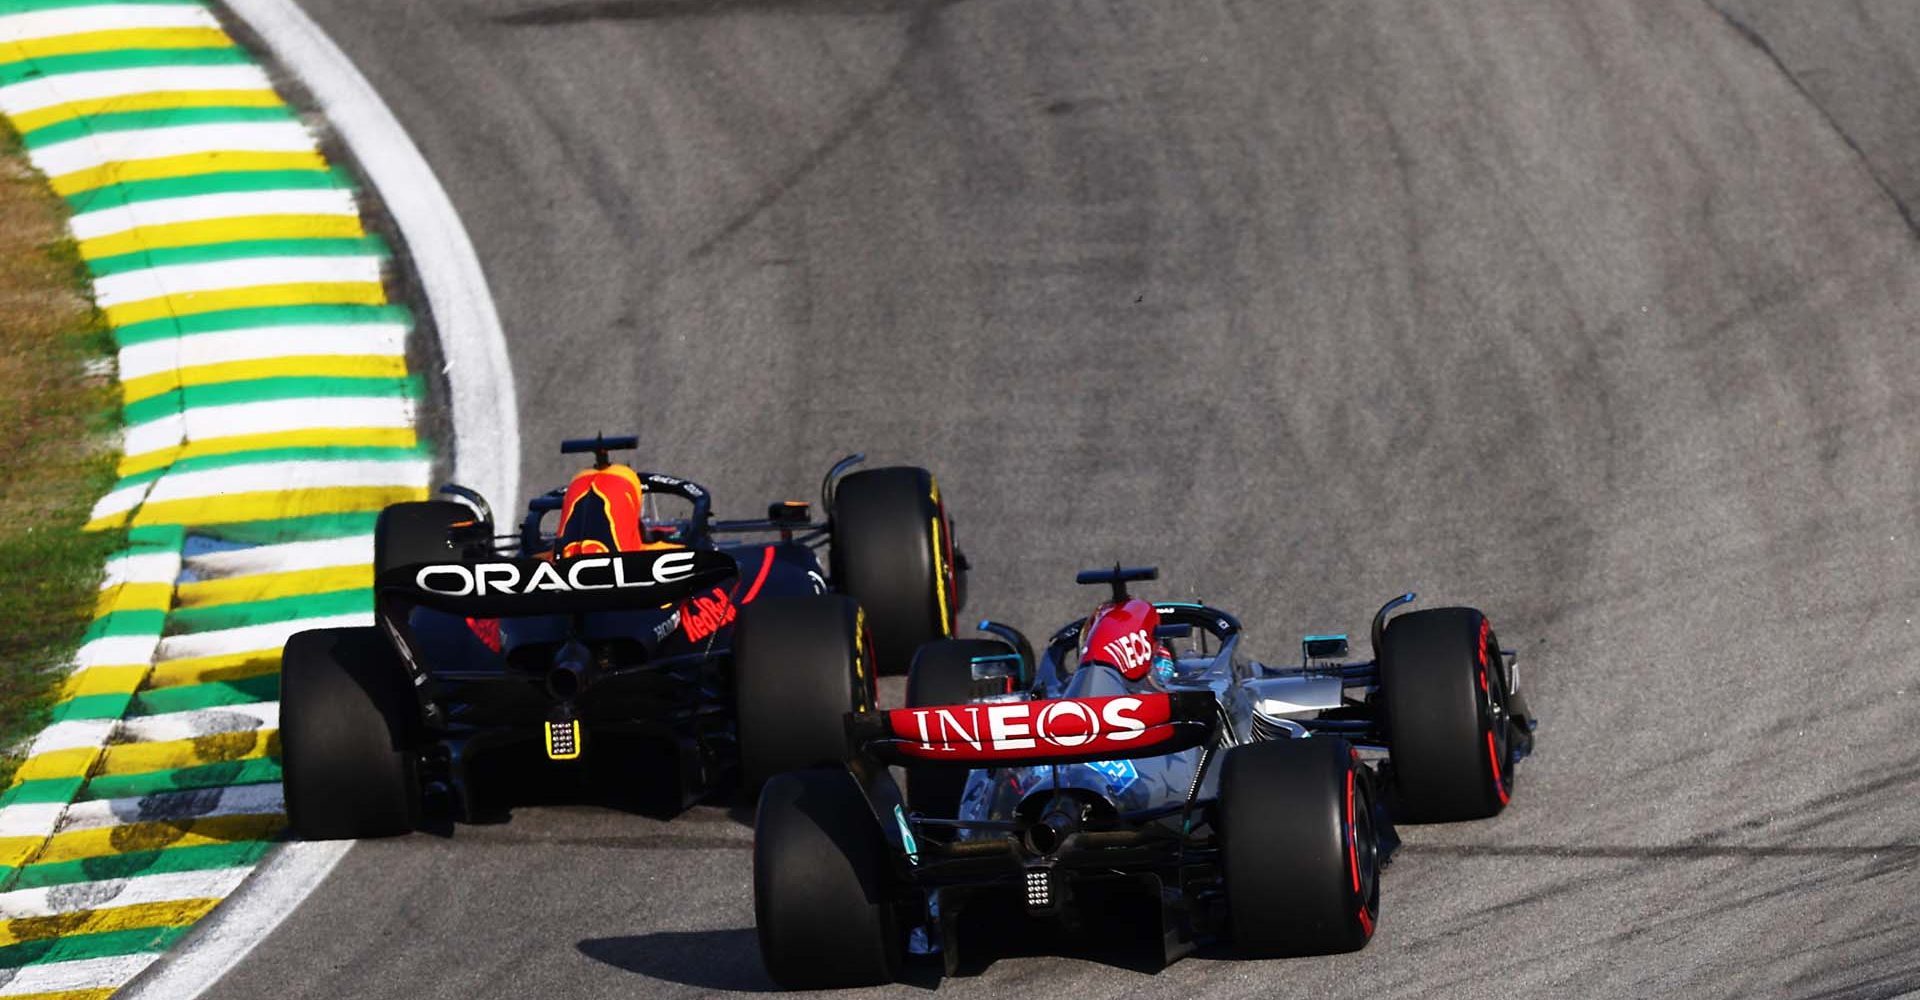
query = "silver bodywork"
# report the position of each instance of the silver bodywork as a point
(1258, 701)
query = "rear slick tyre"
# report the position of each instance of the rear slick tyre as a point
(823, 904)
(346, 715)
(800, 664)
(1443, 686)
(1298, 848)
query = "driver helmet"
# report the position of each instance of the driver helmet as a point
(602, 513)
(1121, 635)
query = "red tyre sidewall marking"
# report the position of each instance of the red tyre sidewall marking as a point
(1493, 755)
(1494, 758)
(1353, 848)
(1353, 857)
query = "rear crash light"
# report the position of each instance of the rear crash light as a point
(1039, 891)
(563, 740)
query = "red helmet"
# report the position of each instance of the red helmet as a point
(1120, 635)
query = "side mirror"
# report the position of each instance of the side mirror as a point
(1324, 647)
(790, 513)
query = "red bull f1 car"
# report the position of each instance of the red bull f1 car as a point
(1141, 758)
(636, 637)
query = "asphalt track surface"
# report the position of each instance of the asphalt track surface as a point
(1598, 315)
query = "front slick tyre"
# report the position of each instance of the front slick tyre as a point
(800, 664)
(345, 719)
(1444, 689)
(893, 552)
(1298, 848)
(942, 674)
(822, 900)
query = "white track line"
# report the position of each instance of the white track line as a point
(226, 935)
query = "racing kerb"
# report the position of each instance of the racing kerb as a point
(269, 415)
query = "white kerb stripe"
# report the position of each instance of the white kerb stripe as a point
(106, 17)
(246, 272)
(31, 819)
(153, 435)
(251, 638)
(233, 800)
(53, 91)
(117, 651)
(171, 887)
(71, 733)
(200, 722)
(202, 207)
(178, 140)
(263, 477)
(161, 356)
(142, 567)
(290, 476)
(121, 500)
(277, 416)
(289, 557)
(85, 974)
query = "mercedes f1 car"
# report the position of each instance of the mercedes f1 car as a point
(1142, 755)
(637, 629)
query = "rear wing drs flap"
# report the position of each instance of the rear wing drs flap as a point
(1031, 733)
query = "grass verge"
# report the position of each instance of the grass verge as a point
(57, 417)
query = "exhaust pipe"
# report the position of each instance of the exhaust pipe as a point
(570, 673)
(1062, 819)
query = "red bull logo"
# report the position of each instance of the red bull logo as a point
(707, 614)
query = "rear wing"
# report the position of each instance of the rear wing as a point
(503, 587)
(1032, 733)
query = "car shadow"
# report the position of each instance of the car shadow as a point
(724, 960)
